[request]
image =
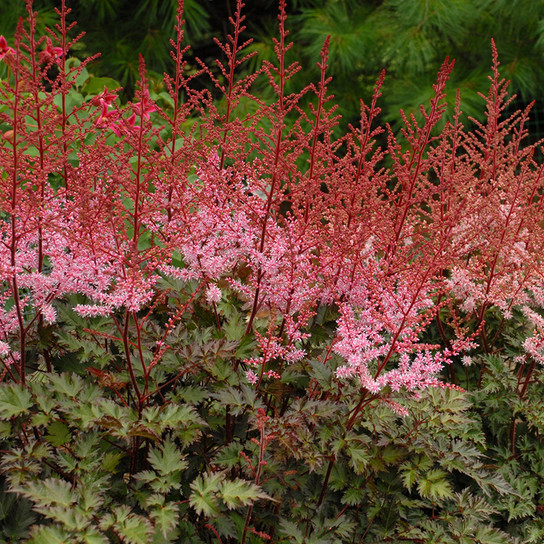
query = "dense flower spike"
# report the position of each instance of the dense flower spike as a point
(266, 204)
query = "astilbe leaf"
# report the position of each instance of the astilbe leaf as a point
(50, 491)
(167, 459)
(51, 533)
(165, 515)
(237, 493)
(434, 485)
(204, 494)
(14, 400)
(130, 527)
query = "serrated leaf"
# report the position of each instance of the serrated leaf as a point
(143, 430)
(497, 482)
(234, 328)
(69, 385)
(246, 347)
(450, 400)
(239, 398)
(489, 535)
(229, 456)
(14, 400)
(49, 491)
(173, 416)
(409, 477)
(192, 394)
(165, 517)
(322, 373)
(16, 516)
(110, 460)
(49, 534)
(130, 527)
(229, 526)
(342, 526)
(390, 455)
(520, 509)
(92, 494)
(358, 459)
(5, 430)
(204, 496)
(92, 536)
(290, 529)
(433, 485)
(477, 506)
(72, 518)
(237, 493)
(40, 419)
(135, 530)
(167, 458)
(58, 433)
(353, 496)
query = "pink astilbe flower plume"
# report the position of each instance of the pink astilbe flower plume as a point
(266, 205)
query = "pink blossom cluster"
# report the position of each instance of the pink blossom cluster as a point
(272, 208)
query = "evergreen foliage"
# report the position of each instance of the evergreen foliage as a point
(409, 38)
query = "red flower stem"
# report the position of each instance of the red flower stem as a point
(64, 91)
(141, 354)
(262, 447)
(277, 154)
(232, 67)
(177, 88)
(13, 214)
(128, 357)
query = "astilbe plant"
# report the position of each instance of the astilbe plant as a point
(246, 303)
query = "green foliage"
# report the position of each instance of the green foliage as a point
(460, 466)
(410, 38)
(14, 400)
